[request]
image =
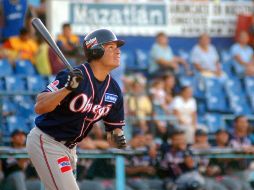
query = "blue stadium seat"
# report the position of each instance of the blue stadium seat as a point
(249, 85)
(215, 97)
(9, 107)
(213, 86)
(50, 79)
(216, 103)
(5, 68)
(128, 59)
(16, 122)
(227, 67)
(15, 83)
(2, 84)
(186, 80)
(36, 83)
(184, 54)
(236, 96)
(24, 67)
(238, 104)
(142, 59)
(22, 98)
(226, 55)
(25, 109)
(213, 121)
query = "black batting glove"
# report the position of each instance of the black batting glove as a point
(74, 79)
(119, 140)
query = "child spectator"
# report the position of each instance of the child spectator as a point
(185, 110)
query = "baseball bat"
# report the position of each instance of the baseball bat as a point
(39, 26)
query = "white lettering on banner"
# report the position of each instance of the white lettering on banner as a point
(86, 106)
(117, 14)
(176, 18)
(192, 19)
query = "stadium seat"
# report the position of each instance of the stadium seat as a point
(8, 106)
(213, 121)
(36, 83)
(25, 109)
(215, 97)
(239, 105)
(227, 67)
(249, 85)
(226, 55)
(15, 83)
(128, 59)
(186, 80)
(213, 86)
(216, 103)
(22, 98)
(2, 84)
(233, 86)
(24, 67)
(16, 122)
(184, 54)
(50, 79)
(142, 59)
(5, 68)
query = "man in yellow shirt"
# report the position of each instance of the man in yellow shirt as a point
(67, 41)
(21, 47)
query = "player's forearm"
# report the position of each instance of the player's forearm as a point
(48, 101)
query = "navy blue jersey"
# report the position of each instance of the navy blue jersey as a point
(74, 117)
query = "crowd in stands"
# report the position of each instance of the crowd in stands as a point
(173, 106)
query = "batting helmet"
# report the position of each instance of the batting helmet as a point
(93, 43)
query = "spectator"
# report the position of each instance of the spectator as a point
(179, 165)
(21, 47)
(169, 88)
(96, 140)
(243, 56)
(205, 58)
(42, 61)
(141, 141)
(160, 109)
(139, 105)
(162, 57)
(104, 177)
(67, 41)
(185, 110)
(40, 11)
(14, 168)
(238, 168)
(240, 139)
(142, 171)
(12, 17)
(218, 167)
(201, 139)
(222, 138)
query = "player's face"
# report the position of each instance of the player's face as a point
(111, 57)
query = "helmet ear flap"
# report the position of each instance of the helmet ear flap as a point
(95, 52)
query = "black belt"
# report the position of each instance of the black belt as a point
(68, 144)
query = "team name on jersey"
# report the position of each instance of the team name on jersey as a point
(87, 106)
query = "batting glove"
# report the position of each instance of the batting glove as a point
(74, 79)
(119, 139)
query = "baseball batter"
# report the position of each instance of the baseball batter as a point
(69, 107)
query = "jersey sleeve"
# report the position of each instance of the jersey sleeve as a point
(115, 117)
(58, 83)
